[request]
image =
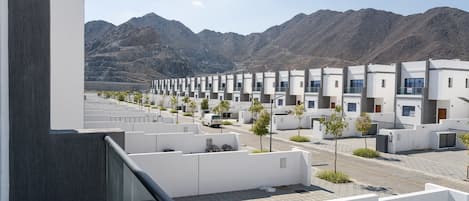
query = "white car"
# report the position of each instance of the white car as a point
(212, 120)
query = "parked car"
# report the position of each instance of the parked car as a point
(211, 120)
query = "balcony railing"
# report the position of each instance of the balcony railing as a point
(208, 88)
(281, 89)
(353, 90)
(238, 88)
(221, 88)
(410, 91)
(312, 89)
(125, 180)
(257, 89)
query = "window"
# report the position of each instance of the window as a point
(383, 83)
(221, 97)
(223, 85)
(337, 84)
(239, 84)
(408, 111)
(351, 107)
(450, 82)
(310, 104)
(467, 83)
(301, 84)
(414, 83)
(280, 102)
(283, 84)
(236, 99)
(210, 85)
(258, 84)
(315, 83)
(356, 83)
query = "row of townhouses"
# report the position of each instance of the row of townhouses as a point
(415, 92)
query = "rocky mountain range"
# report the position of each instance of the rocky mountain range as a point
(150, 46)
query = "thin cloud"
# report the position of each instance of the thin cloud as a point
(199, 4)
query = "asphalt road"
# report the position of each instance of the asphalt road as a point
(378, 176)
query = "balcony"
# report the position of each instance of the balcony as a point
(126, 180)
(257, 89)
(238, 88)
(221, 88)
(208, 89)
(410, 91)
(312, 89)
(281, 89)
(353, 90)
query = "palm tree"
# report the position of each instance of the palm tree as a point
(299, 112)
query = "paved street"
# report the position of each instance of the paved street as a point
(392, 174)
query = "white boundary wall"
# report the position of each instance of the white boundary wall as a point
(139, 142)
(423, 136)
(196, 174)
(157, 128)
(4, 110)
(432, 192)
(67, 63)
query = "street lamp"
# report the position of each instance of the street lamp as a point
(271, 115)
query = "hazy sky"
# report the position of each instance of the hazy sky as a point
(244, 16)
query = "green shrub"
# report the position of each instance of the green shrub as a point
(162, 108)
(173, 111)
(188, 114)
(154, 107)
(147, 105)
(258, 151)
(367, 153)
(297, 138)
(334, 177)
(227, 123)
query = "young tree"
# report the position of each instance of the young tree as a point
(193, 106)
(173, 102)
(186, 100)
(465, 140)
(121, 96)
(255, 109)
(299, 112)
(334, 125)
(138, 97)
(260, 128)
(222, 107)
(147, 99)
(204, 104)
(363, 124)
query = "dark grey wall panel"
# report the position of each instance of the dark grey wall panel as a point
(45, 167)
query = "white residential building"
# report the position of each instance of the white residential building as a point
(313, 89)
(297, 85)
(332, 87)
(449, 88)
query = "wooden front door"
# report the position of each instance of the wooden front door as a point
(441, 114)
(377, 108)
(332, 105)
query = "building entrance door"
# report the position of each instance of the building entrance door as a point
(378, 108)
(441, 114)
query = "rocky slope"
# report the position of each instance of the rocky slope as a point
(151, 47)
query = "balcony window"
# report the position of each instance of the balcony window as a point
(383, 83)
(223, 85)
(258, 84)
(356, 83)
(408, 111)
(310, 104)
(283, 84)
(351, 107)
(315, 83)
(337, 84)
(450, 82)
(236, 99)
(210, 85)
(414, 82)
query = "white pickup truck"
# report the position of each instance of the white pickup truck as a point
(212, 120)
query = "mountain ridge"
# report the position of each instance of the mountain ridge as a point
(322, 38)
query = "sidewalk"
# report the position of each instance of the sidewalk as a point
(449, 164)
